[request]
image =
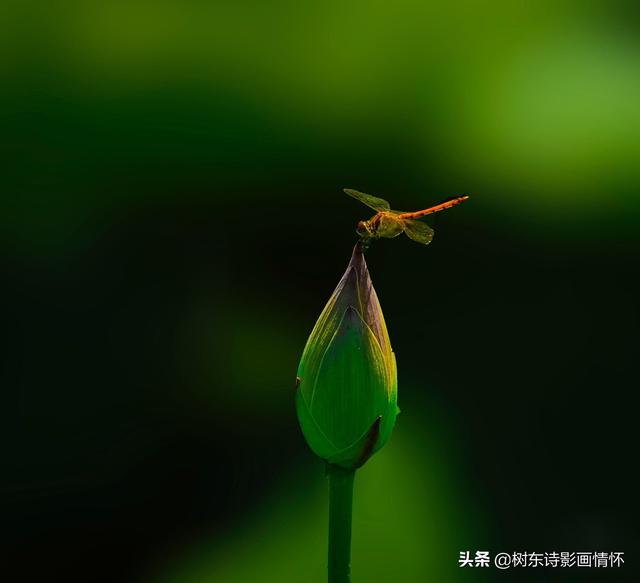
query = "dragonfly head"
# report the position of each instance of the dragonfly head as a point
(364, 229)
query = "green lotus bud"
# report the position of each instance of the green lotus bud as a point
(347, 383)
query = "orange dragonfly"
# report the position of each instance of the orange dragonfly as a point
(388, 223)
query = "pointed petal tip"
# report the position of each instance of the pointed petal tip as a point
(357, 257)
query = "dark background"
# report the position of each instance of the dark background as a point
(172, 223)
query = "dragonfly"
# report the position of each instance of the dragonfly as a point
(388, 223)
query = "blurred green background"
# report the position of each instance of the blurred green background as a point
(172, 224)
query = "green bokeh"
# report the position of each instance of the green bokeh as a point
(172, 223)
(394, 540)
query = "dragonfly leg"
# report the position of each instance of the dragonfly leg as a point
(365, 243)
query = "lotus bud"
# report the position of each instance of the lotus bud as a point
(346, 396)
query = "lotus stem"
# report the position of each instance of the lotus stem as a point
(340, 509)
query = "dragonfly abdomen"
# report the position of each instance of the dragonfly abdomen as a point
(434, 209)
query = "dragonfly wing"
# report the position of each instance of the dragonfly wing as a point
(418, 231)
(377, 204)
(389, 227)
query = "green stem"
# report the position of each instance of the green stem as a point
(340, 500)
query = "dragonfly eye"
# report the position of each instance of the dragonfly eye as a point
(362, 229)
